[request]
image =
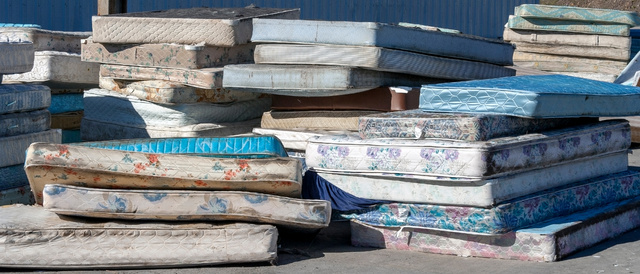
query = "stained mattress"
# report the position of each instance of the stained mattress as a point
(546, 241)
(13, 147)
(418, 124)
(43, 40)
(377, 58)
(59, 69)
(225, 27)
(380, 99)
(538, 96)
(592, 15)
(518, 22)
(478, 193)
(18, 195)
(105, 105)
(12, 177)
(575, 51)
(13, 124)
(510, 215)
(67, 120)
(182, 205)
(17, 57)
(472, 160)
(563, 38)
(294, 139)
(166, 55)
(61, 242)
(383, 35)
(312, 81)
(61, 103)
(98, 130)
(24, 98)
(166, 92)
(106, 168)
(548, 62)
(313, 120)
(207, 78)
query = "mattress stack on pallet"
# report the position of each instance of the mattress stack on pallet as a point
(514, 168)
(324, 75)
(158, 203)
(24, 119)
(161, 73)
(582, 42)
(57, 65)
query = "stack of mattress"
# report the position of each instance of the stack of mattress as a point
(515, 167)
(582, 42)
(222, 195)
(24, 119)
(161, 73)
(57, 65)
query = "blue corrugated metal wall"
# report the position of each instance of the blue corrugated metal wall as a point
(480, 17)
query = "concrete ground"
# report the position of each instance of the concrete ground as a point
(330, 252)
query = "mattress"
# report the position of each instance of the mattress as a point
(471, 160)
(517, 22)
(62, 242)
(383, 35)
(629, 75)
(602, 77)
(478, 193)
(23, 98)
(17, 57)
(313, 120)
(12, 177)
(71, 136)
(207, 78)
(380, 99)
(43, 40)
(563, 38)
(97, 130)
(225, 27)
(13, 124)
(110, 106)
(106, 168)
(591, 15)
(312, 81)
(419, 124)
(166, 92)
(13, 147)
(381, 59)
(575, 51)
(537, 96)
(67, 120)
(61, 103)
(185, 205)
(548, 62)
(510, 215)
(18, 195)
(166, 55)
(59, 69)
(547, 241)
(294, 139)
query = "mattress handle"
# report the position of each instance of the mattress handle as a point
(9, 104)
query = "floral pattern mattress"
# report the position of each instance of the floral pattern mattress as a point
(476, 193)
(546, 241)
(166, 55)
(313, 119)
(44, 40)
(383, 35)
(377, 58)
(107, 168)
(12, 148)
(570, 26)
(185, 205)
(61, 243)
(17, 57)
(471, 160)
(536, 96)
(419, 124)
(12, 124)
(206, 78)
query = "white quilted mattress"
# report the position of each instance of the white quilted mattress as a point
(59, 69)
(310, 81)
(225, 27)
(105, 168)
(576, 51)
(187, 205)
(16, 57)
(20, 97)
(377, 58)
(478, 193)
(470, 160)
(41, 239)
(13, 124)
(110, 106)
(98, 130)
(207, 78)
(12, 148)
(565, 38)
(43, 40)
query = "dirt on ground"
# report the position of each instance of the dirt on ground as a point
(630, 5)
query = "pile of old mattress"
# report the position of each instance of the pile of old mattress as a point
(24, 119)
(324, 75)
(514, 167)
(161, 73)
(582, 42)
(57, 65)
(158, 202)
